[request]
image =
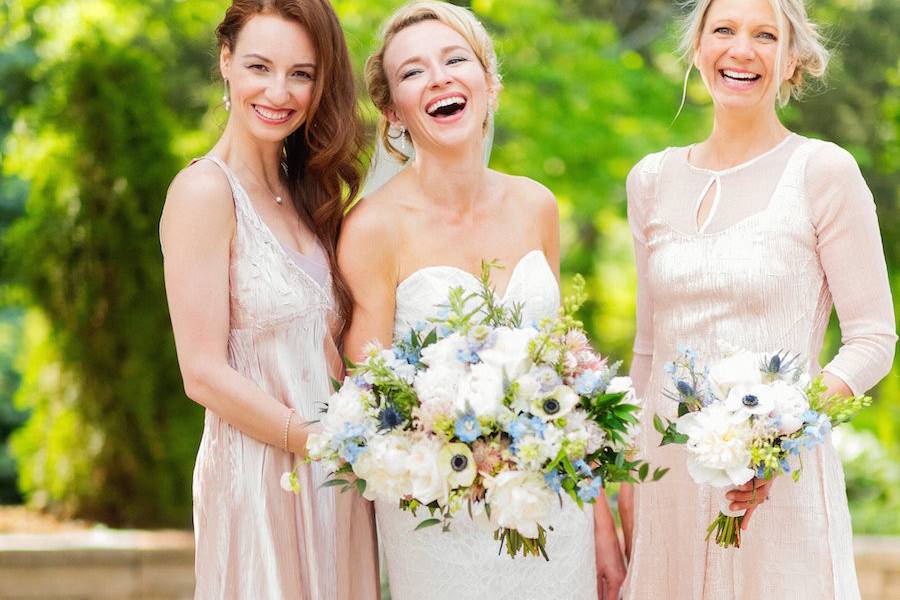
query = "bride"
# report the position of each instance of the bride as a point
(427, 229)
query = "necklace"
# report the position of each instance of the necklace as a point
(279, 200)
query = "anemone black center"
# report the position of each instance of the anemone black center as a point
(459, 462)
(551, 406)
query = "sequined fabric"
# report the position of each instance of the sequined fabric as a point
(791, 231)
(253, 539)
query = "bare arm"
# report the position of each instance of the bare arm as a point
(366, 257)
(196, 229)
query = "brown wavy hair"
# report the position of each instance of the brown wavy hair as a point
(322, 157)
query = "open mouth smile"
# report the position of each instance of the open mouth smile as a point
(739, 76)
(446, 107)
(273, 116)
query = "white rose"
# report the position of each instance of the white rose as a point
(519, 500)
(427, 482)
(742, 367)
(445, 352)
(481, 389)
(790, 404)
(347, 405)
(509, 352)
(757, 399)
(718, 445)
(438, 385)
(384, 467)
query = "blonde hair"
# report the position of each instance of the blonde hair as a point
(805, 47)
(456, 18)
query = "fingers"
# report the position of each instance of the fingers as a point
(746, 521)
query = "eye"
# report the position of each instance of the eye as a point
(303, 75)
(723, 30)
(457, 59)
(258, 67)
(410, 73)
(767, 36)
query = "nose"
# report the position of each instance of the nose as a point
(440, 76)
(277, 91)
(742, 48)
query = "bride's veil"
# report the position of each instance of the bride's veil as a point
(384, 165)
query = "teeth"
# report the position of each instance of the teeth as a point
(445, 102)
(739, 75)
(274, 115)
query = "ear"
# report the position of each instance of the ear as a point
(224, 61)
(790, 68)
(393, 118)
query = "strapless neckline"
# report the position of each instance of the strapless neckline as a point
(437, 268)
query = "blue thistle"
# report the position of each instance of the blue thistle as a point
(389, 418)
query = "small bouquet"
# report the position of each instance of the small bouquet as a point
(745, 416)
(482, 412)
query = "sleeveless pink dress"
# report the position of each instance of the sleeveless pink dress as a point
(790, 233)
(253, 539)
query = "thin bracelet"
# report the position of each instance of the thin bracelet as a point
(287, 427)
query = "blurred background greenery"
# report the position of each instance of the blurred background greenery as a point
(103, 100)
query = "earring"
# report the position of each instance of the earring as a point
(403, 139)
(226, 97)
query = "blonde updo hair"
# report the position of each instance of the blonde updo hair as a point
(458, 19)
(806, 46)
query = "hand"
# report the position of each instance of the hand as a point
(749, 496)
(607, 553)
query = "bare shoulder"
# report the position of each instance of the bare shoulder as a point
(370, 233)
(533, 195)
(199, 196)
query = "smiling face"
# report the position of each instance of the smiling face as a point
(271, 73)
(737, 53)
(439, 89)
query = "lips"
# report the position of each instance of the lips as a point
(445, 106)
(739, 75)
(273, 116)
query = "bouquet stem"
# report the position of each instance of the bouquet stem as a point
(728, 530)
(515, 542)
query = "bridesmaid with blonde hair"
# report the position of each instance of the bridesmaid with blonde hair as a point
(249, 236)
(747, 239)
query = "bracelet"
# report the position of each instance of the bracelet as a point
(287, 428)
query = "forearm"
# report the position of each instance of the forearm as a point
(606, 538)
(240, 402)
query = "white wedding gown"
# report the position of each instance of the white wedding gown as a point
(463, 563)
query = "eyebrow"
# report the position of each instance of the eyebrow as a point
(444, 50)
(264, 59)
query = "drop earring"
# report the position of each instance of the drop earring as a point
(403, 139)
(226, 97)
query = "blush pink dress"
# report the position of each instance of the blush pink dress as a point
(253, 539)
(789, 233)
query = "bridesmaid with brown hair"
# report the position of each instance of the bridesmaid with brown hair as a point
(748, 239)
(249, 235)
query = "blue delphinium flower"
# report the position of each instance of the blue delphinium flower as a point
(554, 481)
(588, 491)
(522, 426)
(350, 442)
(465, 355)
(761, 471)
(816, 430)
(785, 465)
(791, 446)
(583, 467)
(467, 427)
(587, 383)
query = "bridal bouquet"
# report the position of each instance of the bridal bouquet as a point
(481, 412)
(747, 415)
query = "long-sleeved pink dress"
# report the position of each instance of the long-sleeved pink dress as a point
(253, 539)
(789, 233)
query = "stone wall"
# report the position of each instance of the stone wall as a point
(100, 564)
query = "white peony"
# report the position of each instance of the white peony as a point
(509, 352)
(384, 467)
(438, 385)
(742, 367)
(533, 452)
(445, 352)
(519, 500)
(581, 432)
(624, 385)
(790, 404)
(718, 445)
(427, 482)
(481, 390)
(347, 405)
(527, 389)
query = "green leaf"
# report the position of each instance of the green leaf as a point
(659, 473)
(334, 483)
(427, 523)
(361, 486)
(658, 424)
(642, 472)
